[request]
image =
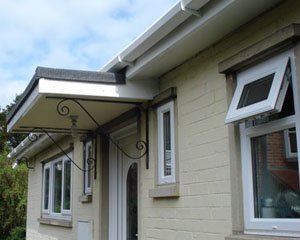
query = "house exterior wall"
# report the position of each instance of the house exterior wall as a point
(209, 205)
(80, 211)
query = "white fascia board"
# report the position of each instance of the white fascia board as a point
(194, 4)
(28, 104)
(132, 90)
(157, 31)
(175, 38)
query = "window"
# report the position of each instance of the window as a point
(88, 154)
(268, 143)
(166, 143)
(290, 144)
(57, 188)
(260, 90)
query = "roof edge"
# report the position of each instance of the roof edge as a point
(65, 75)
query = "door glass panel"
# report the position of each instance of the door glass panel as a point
(275, 177)
(132, 210)
(57, 187)
(256, 91)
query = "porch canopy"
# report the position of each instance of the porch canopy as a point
(46, 102)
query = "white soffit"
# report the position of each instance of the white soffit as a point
(40, 108)
(194, 35)
(179, 35)
(192, 4)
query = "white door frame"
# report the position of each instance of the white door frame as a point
(117, 200)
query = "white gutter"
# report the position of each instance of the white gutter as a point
(22, 146)
(178, 14)
(30, 148)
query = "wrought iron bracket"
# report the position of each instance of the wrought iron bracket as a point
(33, 137)
(64, 110)
(24, 159)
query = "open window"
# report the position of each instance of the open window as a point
(260, 90)
(265, 103)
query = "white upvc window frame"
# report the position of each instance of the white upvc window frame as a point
(88, 174)
(168, 107)
(267, 226)
(49, 213)
(277, 66)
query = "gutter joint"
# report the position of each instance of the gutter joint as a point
(194, 12)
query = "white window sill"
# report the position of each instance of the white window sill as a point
(257, 237)
(165, 191)
(56, 222)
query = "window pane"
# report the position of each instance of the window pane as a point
(256, 91)
(275, 180)
(292, 140)
(167, 143)
(46, 188)
(89, 174)
(57, 187)
(67, 185)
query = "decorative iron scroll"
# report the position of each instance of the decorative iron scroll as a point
(33, 137)
(26, 160)
(64, 110)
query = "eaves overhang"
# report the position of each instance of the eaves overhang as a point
(28, 148)
(104, 95)
(181, 33)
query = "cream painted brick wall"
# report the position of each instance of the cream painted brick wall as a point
(80, 211)
(203, 210)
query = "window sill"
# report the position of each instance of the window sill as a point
(86, 198)
(56, 222)
(256, 237)
(165, 191)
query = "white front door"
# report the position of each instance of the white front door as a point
(123, 186)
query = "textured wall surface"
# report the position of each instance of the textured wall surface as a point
(205, 207)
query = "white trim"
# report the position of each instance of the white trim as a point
(276, 65)
(168, 107)
(118, 168)
(132, 90)
(49, 213)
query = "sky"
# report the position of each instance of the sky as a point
(72, 34)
